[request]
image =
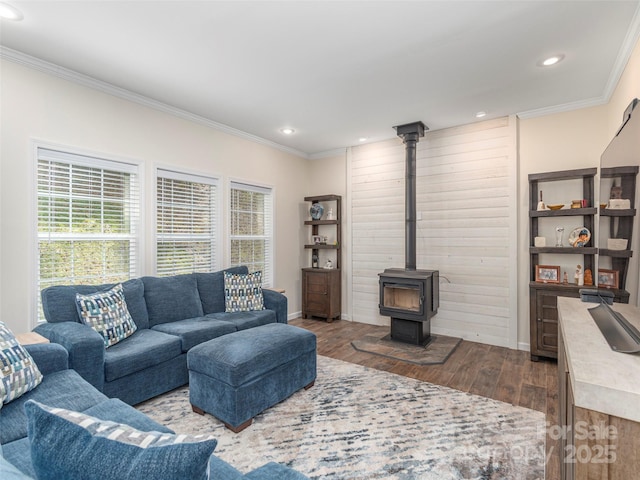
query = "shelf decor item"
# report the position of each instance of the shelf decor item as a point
(579, 237)
(547, 274)
(541, 206)
(617, 243)
(559, 232)
(316, 211)
(607, 278)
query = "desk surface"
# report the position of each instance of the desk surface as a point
(602, 380)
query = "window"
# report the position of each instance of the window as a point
(251, 229)
(88, 217)
(186, 223)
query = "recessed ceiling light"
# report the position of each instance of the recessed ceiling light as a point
(287, 130)
(481, 114)
(9, 12)
(547, 62)
(363, 139)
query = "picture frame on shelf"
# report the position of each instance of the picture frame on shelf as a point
(547, 274)
(316, 239)
(608, 278)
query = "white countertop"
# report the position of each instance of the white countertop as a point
(602, 380)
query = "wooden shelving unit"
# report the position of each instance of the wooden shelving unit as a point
(322, 287)
(543, 310)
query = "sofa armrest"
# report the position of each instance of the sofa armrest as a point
(49, 357)
(277, 302)
(85, 347)
(218, 468)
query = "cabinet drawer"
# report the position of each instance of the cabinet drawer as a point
(313, 278)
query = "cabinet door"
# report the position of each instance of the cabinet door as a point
(544, 319)
(316, 290)
(547, 318)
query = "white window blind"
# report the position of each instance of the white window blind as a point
(186, 223)
(88, 219)
(251, 230)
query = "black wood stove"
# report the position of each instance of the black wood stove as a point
(410, 296)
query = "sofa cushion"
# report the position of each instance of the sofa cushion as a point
(107, 313)
(243, 292)
(196, 330)
(59, 302)
(170, 299)
(211, 288)
(18, 372)
(65, 388)
(115, 410)
(244, 320)
(72, 445)
(141, 350)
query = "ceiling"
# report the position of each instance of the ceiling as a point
(334, 71)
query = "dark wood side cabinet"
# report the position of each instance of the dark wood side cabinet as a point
(543, 310)
(544, 330)
(321, 295)
(322, 287)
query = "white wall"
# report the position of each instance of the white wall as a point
(38, 106)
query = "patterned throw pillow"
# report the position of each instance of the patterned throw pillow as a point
(72, 445)
(18, 372)
(243, 292)
(107, 313)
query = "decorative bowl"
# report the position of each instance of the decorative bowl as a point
(556, 207)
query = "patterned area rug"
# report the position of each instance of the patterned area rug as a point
(437, 351)
(361, 423)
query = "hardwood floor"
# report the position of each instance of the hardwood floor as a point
(494, 372)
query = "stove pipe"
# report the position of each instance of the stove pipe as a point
(410, 134)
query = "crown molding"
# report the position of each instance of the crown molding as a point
(93, 83)
(565, 107)
(629, 43)
(336, 152)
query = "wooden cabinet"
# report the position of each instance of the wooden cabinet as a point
(594, 443)
(543, 315)
(321, 296)
(321, 286)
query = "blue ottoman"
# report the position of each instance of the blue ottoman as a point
(236, 376)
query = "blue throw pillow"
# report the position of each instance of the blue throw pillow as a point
(74, 446)
(18, 372)
(243, 292)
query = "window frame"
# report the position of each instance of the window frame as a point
(268, 274)
(42, 151)
(216, 221)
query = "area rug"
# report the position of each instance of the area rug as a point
(361, 423)
(437, 351)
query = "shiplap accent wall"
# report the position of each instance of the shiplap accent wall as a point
(467, 219)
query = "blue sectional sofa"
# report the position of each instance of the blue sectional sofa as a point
(64, 388)
(172, 314)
